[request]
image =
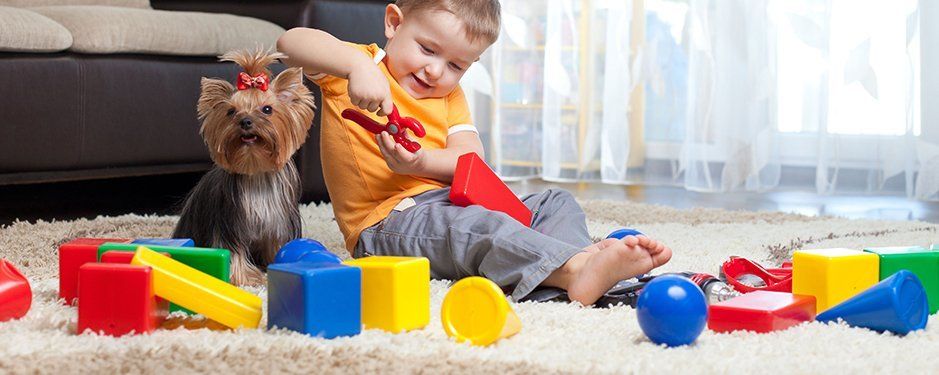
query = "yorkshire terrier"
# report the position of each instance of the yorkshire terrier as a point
(248, 202)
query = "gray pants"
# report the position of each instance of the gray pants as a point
(474, 241)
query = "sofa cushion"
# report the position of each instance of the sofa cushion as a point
(42, 3)
(101, 29)
(22, 30)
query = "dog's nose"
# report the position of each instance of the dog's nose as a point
(246, 124)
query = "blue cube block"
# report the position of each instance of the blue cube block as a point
(319, 299)
(177, 242)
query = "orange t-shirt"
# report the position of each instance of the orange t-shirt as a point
(362, 188)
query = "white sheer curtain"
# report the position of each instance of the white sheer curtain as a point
(712, 95)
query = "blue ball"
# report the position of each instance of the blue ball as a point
(672, 310)
(623, 232)
(305, 250)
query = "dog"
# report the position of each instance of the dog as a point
(248, 202)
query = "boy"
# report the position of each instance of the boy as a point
(389, 201)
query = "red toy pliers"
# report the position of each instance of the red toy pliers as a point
(396, 127)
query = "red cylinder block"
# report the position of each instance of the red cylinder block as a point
(15, 293)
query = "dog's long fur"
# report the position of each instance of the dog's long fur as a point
(248, 202)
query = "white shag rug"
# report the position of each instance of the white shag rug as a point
(555, 337)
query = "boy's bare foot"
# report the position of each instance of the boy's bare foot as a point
(589, 274)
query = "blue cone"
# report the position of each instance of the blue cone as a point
(623, 232)
(305, 250)
(897, 304)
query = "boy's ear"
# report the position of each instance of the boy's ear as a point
(393, 18)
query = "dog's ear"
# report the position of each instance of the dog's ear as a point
(214, 93)
(289, 85)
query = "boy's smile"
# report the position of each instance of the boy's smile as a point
(428, 51)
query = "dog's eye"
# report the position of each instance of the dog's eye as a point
(231, 112)
(267, 109)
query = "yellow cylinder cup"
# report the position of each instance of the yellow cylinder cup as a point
(475, 309)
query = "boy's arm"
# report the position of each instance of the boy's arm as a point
(438, 164)
(318, 52)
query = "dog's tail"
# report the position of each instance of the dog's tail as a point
(254, 61)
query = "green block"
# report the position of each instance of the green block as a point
(917, 259)
(215, 262)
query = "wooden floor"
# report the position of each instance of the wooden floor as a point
(161, 195)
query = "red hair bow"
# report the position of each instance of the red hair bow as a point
(246, 82)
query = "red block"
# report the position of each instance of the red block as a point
(761, 311)
(118, 298)
(15, 293)
(74, 254)
(475, 183)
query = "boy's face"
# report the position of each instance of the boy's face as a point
(428, 52)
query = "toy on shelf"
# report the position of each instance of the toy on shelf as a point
(897, 304)
(175, 242)
(305, 250)
(200, 292)
(747, 276)
(396, 127)
(833, 275)
(395, 292)
(671, 310)
(761, 311)
(15, 294)
(919, 260)
(318, 299)
(118, 299)
(475, 309)
(474, 183)
(72, 255)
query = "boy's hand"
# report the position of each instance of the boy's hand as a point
(368, 89)
(399, 160)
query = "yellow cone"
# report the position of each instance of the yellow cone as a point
(476, 310)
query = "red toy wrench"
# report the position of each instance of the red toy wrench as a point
(396, 126)
(774, 279)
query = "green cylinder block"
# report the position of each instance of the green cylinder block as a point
(921, 261)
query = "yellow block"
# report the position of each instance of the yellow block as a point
(199, 291)
(475, 309)
(833, 275)
(395, 292)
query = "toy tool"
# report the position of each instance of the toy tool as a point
(396, 127)
(200, 292)
(672, 310)
(761, 311)
(474, 183)
(475, 309)
(15, 293)
(897, 304)
(747, 276)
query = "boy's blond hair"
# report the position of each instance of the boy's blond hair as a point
(480, 17)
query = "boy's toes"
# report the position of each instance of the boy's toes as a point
(631, 241)
(661, 256)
